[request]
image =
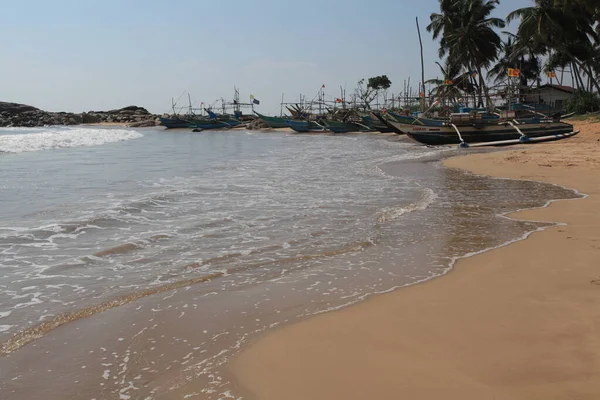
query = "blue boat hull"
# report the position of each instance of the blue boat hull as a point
(171, 123)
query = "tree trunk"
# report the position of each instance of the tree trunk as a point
(580, 85)
(593, 81)
(484, 88)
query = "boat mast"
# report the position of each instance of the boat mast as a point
(422, 68)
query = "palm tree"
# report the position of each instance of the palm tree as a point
(467, 36)
(561, 26)
(455, 85)
(519, 54)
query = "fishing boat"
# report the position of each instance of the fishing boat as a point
(303, 126)
(375, 124)
(208, 124)
(478, 133)
(343, 127)
(171, 123)
(273, 122)
(412, 120)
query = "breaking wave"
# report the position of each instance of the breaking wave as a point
(26, 140)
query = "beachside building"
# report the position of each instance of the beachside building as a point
(550, 95)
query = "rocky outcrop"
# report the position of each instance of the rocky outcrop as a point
(14, 114)
(131, 115)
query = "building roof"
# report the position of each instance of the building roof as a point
(566, 89)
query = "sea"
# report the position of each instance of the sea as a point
(135, 263)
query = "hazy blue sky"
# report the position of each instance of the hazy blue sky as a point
(82, 55)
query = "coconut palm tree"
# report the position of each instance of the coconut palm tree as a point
(517, 53)
(456, 84)
(467, 36)
(561, 26)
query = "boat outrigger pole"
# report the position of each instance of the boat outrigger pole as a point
(523, 137)
(462, 144)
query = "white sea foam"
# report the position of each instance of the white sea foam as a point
(391, 213)
(57, 138)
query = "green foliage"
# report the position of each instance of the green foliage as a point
(583, 102)
(381, 82)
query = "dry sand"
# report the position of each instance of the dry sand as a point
(519, 322)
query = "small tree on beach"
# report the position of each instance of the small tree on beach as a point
(367, 93)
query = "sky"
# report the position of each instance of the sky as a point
(83, 55)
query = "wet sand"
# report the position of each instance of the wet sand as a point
(518, 322)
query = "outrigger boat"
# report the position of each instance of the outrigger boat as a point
(344, 127)
(273, 122)
(467, 130)
(303, 126)
(171, 123)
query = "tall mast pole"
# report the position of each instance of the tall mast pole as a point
(422, 68)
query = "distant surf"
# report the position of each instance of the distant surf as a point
(21, 140)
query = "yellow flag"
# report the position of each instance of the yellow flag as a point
(514, 72)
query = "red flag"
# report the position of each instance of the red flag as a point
(338, 100)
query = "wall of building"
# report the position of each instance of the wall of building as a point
(555, 98)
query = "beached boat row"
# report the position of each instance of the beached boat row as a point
(467, 128)
(367, 123)
(477, 128)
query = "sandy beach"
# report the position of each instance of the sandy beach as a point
(517, 322)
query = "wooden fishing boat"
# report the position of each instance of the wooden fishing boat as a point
(171, 123)
(377, 125)
(303, 126)
(212, 124)
(412, 120)
(505, 132)
(273, 122)
(388, 123)
(343, 127)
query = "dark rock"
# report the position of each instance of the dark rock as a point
(15, 108)
(89, 118)
(143, 124)
(14, 114)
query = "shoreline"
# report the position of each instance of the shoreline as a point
(500, 323)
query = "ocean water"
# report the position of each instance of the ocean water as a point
(136, 263)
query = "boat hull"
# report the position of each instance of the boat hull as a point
(304, 126)
(273, 122)
(485, 134)
(342, 127)
(172, 123)
(213, 124)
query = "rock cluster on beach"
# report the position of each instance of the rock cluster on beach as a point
(133, 116)
(21, 115)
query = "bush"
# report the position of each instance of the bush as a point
(583, 102)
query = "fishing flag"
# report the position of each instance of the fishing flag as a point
(551, 74)
(255, 101)
(251, 97)
(323, 87)
(338, 100)
(448, 82)
(422, 94)
(514, 72)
